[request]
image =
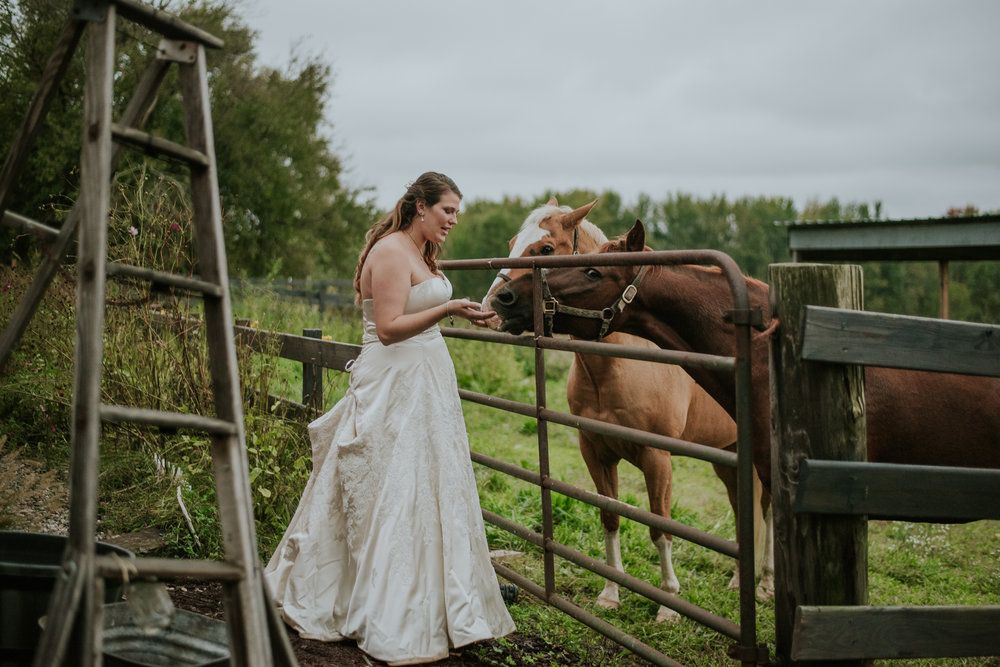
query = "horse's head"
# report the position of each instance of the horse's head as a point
(587, 302)
(548, 230)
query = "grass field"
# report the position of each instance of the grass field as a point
(909, 563)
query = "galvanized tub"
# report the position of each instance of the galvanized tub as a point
(179, 638)
(29, 566)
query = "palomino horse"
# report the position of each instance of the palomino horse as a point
(659, 398)
(913, 417)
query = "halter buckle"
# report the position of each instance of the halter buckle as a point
(549, 307)
(629, 294)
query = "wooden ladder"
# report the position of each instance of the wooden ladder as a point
(73, 632)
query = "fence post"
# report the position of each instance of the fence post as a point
(312, 377)
(817, 412)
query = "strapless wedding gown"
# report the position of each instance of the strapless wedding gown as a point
(387, 545)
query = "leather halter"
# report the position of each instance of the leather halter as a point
(576, 235)
(551, 307)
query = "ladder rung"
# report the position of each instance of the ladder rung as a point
(116, 567)
(27, 224)
(165, 24)
(157, 145)
(118, 414)
(165, 279)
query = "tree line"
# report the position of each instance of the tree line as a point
(288, 213)
(280, 181)
(752, 230)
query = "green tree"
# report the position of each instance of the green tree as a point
(284, 206)
(28, 33)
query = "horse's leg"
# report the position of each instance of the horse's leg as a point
(603, 467)
(656, 468)
(728, 477)
(765, 587)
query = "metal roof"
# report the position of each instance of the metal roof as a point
(954, 238)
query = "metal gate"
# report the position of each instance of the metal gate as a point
(743, 632)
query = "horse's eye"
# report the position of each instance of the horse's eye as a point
(547, 250)
(592, 273)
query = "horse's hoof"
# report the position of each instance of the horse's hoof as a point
(607, 603)
(667, 615)
(765, 593)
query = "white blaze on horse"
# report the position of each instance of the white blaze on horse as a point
(659, 398)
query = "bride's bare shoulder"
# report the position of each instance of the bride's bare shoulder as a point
(389, 244)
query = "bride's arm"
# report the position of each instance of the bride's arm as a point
(390, 276)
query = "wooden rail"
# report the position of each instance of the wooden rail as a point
(824, 492)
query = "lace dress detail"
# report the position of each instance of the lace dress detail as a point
(387, 545)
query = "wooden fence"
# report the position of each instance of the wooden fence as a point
(824, 491)
(310, 349)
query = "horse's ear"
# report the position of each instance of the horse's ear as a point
(552, 201)
(575, 217)
(635, 240)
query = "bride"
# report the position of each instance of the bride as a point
(387, 545)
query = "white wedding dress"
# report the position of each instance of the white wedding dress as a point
(387, 545)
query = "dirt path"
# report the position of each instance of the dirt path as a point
(516, 649)
(39, 504)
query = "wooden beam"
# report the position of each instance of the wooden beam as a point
(123, 569)
(896, 491)
(818, 559)
(165, 24)
(154, 145)
(161, 279)
(847, 633)
(312, 376)
(324, 353)
(900, 341)
(39, 230)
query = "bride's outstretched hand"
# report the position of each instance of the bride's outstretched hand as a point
(470, 310)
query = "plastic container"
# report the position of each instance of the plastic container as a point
(29, 566)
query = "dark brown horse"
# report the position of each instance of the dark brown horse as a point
(913, 417)
(658, 398)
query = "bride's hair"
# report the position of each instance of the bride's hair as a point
(429, 187)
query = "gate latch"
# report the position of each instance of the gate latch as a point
(755, 655)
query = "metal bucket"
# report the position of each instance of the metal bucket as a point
(183, 639)
(29, 566)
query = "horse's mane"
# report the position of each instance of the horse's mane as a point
(594, 232)
(539, 214)
(586, 226)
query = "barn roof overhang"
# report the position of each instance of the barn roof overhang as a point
(936, 239)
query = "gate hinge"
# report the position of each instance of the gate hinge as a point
(755, 655)
(752, 316)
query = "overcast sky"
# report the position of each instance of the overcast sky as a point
(897, 101)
